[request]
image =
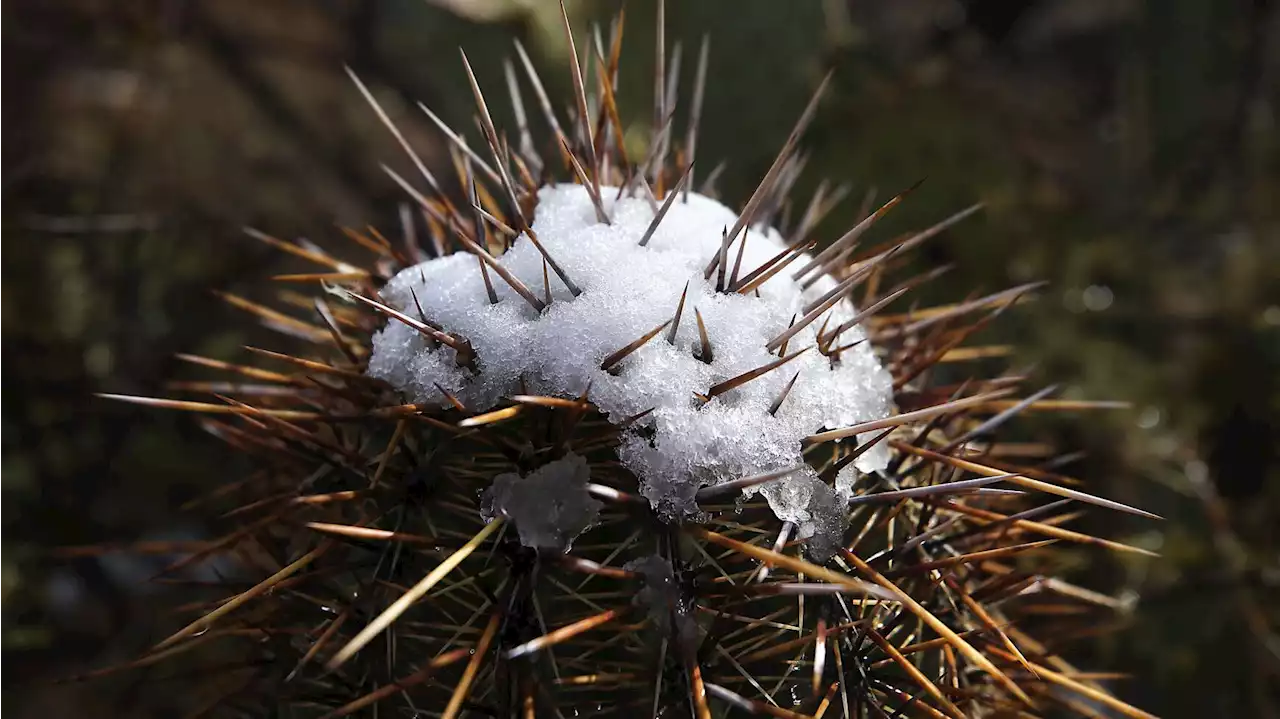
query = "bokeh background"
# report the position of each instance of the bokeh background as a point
(1127, 151)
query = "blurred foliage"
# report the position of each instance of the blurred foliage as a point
(1127, 152)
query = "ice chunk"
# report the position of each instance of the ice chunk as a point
(815, 508)
(627, 290)
(550, 506)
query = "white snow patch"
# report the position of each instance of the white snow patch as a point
(627, 290)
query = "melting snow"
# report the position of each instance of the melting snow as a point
(550, 506)
(627, 290)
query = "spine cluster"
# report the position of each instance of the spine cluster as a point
(394, 552)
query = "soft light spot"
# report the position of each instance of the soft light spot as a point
(1271, 315)
(1096, 298)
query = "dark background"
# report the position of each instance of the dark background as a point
(1127, 151)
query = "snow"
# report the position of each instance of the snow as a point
(627, 290)
(550, 506)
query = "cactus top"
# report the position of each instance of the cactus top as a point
(686, 442)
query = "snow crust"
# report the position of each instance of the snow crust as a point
(627, 290)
